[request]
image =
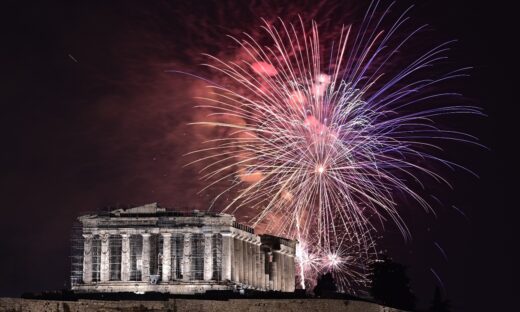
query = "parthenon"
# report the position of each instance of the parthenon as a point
(152, 249)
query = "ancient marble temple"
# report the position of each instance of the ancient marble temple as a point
(149, 248)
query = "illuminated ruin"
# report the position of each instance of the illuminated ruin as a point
(152, 249)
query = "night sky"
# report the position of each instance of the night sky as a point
(91, 118)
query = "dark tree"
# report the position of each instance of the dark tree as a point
(438, 304)
(391, 285)
(326, 286)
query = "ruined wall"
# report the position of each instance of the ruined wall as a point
(189, 305)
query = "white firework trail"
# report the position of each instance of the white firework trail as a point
(329, 135)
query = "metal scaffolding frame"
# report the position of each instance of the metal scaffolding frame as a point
(209, 252)
(136, 262)
(76, 254)
(115, 245)
(197, 257)
(155, 255)
(114, 248)
(216, 252)
(177, 253)
(96, 258)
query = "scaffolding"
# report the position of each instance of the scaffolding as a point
(96, 258)
(136, 251)
(123, 250)
(177, 252)
(197, 257)
(115, 248)
(76, 254)
(156, 244)
(156, 241)
(216, 252)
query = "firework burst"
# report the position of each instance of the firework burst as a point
(329, 133)
(348, 259)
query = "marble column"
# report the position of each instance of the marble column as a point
(174, 262)
(227, 246)
(208, 256)
(145, 258)
(236, 261)
(262, 269)
(268, 278)
(249, 256)
(166, 257)
(104, 265)
(252, 266)
(252, 246)
(282, 272)
(125, 257)
(274, 270)
(258, 277)
(290, 273)
(285, 279)
(247, 262)
(87, 258)
(186, 258)
(231, 257)
(240, 257)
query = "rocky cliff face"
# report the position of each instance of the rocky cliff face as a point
(189, 305)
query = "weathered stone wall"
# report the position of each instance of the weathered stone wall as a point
(189, 305)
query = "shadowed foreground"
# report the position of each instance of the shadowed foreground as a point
(182, 305)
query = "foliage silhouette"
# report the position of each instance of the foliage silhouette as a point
(326, 286)
(438, 304)
(391, 285)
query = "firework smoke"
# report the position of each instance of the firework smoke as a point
(324, 137)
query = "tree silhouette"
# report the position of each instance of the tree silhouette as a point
(391, 285)
(439, 305)
(326, 286)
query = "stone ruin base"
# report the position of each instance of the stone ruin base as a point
(189, 305)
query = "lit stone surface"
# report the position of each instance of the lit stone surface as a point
(166, 256)
(188, 305)
(208, 257)
(104, 267)
(186, 271)
(125, 257)
(87, 258)
(177, 252)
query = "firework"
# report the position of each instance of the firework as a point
(324, 135)
(348, 259)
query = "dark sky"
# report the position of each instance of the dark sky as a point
(90, 119)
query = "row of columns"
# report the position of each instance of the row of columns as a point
(145, 257)
(282, 268)
(248, 262)
(272, 270)
(243, 261)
